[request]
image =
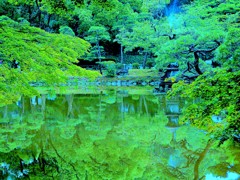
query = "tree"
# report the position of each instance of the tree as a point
(85, 20)
(105, 12)
(47, 15)
(217, 89)
(123, 26)
(37, 57)
(95, 35)
(139, 35)
(193, 36)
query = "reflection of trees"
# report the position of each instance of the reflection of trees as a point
(142, 102)
(69, 98)
(200, 159)
(87, 138)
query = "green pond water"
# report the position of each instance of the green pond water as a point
(108, 135)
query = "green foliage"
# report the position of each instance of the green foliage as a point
(42, 57)
(23, 21)
(129, 59)
(119, 66)
(149, 64)
(100, 142)
(87, 20)
(204, 30)
(66, 30)
(136, 65)
(199, 25)
(110, 67)
(228, 52)
(95, 35)
(210, 30)
(215, 95)
(141, 73)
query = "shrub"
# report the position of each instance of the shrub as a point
(66, 30)
(110, 67)
(150, 64)
(23, 21)
(119, 65)
(136, 65)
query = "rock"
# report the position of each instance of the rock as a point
(144, 83)
(98, 83)
(119, 83)
(129, 83)
(152, 83)
(124, 83)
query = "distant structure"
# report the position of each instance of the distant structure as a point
(172, 70)
(123, 71)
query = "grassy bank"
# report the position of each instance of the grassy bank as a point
(134, 75)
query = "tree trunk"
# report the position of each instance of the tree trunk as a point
(121, 50)
(5, 114)
(39, 13)
(43, 98)
(199, 52)
(196, 63)
(69, 98)
(49, 19)
(145, 105)
(99, 57)
(145, 60)
(39, 19)
(29, 13)
(100, 108)
(140, 104)
(122, 110)
(199, 160)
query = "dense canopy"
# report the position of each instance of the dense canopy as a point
(30, 55)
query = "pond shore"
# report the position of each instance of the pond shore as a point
(136, 77)
(104, 81)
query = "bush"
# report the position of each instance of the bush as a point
(23, 21)
(110, 67)
(136, 65)
(119, 65)
(130, 59)
(66, 30)
(150, 64)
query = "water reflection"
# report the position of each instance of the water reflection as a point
(110, 135)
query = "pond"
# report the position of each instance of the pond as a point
(114, 134)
